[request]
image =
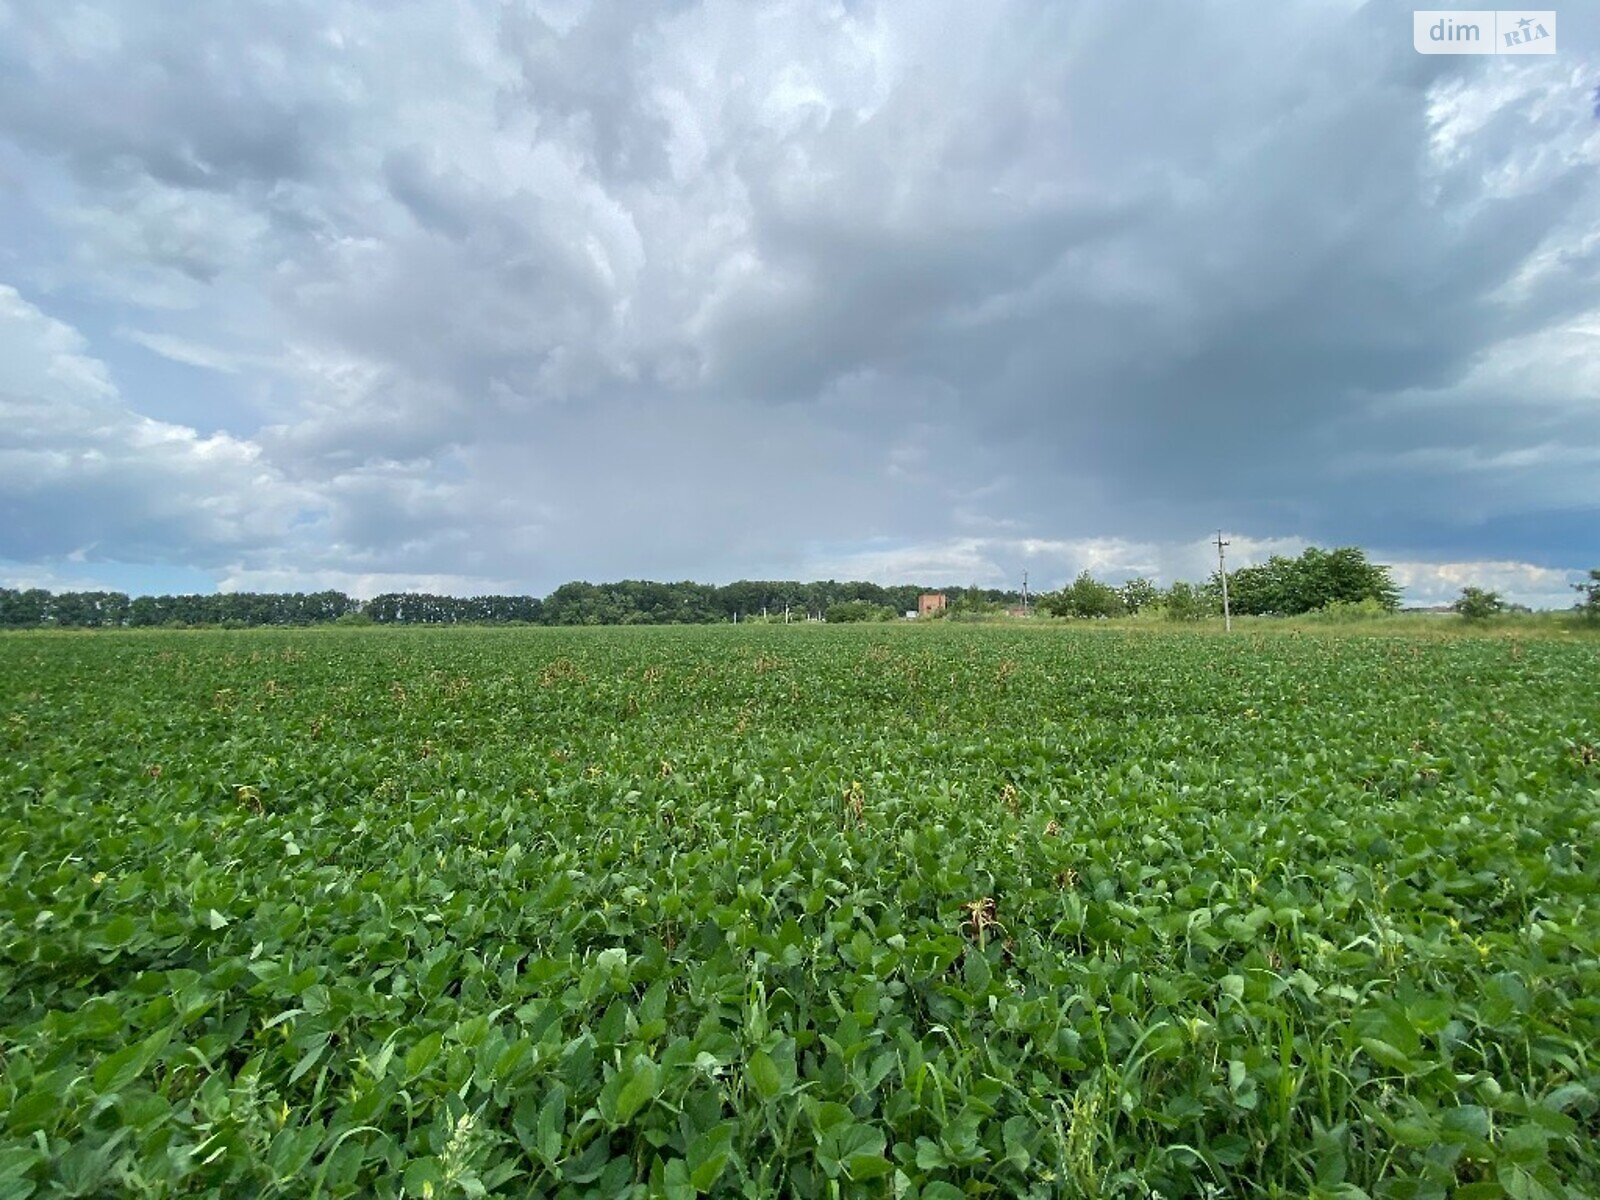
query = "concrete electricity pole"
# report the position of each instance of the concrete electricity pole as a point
(1222, 566)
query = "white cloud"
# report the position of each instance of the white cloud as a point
(81, 473)
(37, 575)
(1520, 583)
(44, 358)
(181, 350)
(361, 585)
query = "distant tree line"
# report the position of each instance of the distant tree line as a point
(98, 610)
(629, 602)
(1315, 581)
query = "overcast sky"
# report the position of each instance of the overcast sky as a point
(475, 297)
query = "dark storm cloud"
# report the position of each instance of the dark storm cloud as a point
(522, 292)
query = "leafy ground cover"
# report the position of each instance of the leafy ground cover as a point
(807, 912)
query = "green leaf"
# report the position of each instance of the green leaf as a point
(1244, 1089)
(309, 1058)
(422, 1055)
(1229, 1149)
(638, 1089)
(867, 1166)
(551, 1127)
(422, 1176)
(976, 971)
(675, 1180)
(119, 931)
(84, 1166)
(291, 1150)
(1524, 1143)
(854, 1150)
(1470, 1119)
(1522, 1184)
(588, 1166)
(929, 1155)
(127, 1064)
(1416, 1133)
(762, 1074)
(1389, 1056)
(15, 1164)
(709, 1154)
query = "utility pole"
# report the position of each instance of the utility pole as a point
(1024, 593)
(1222, 566)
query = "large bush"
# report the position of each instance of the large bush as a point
(1085, 596)
(1185, 602)
(1476, 604)
(1289, 586)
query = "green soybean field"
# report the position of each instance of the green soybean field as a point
(917, 911)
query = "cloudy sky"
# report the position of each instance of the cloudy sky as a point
(490, 296)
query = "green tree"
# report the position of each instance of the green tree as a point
(1139, 593)
(1476, 604)
(1186, 602)
(1290, 586)
(1589, 591)
(1085, 596)
(971, 601)
(23, 608)
(858, 610)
